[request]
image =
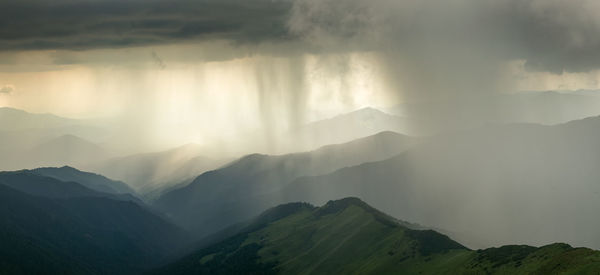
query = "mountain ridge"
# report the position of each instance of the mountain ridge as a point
(349, 236)
(36, 184)
(91, 180)
(236, 187)
(475, 173)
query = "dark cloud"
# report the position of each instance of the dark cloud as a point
(454, 50)
(551, 35)
(80, 25)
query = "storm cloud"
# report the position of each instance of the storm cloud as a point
(81, 25)
(550, 35)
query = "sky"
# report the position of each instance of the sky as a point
(194, 71)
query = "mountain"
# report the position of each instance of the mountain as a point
(36, 184)
(540, 107)
(157, 171)
(88, 235)
(348, 236)
(14, 119)
(33, 140)
(349, 126)
(90, 180)
(21, 152)
(66, 150)
(551, 107)
(242, 189)
(514, 183)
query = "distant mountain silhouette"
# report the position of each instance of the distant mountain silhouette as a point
(37, 184)
(14, 119)
(28, 140)
(349, 126)
(243, 188)
(516, 183)
(348, 236)
(154, 172)
(541, 107)
(65, 150)
(43, 186)
(93, 181)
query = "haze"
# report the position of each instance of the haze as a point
(225, 106)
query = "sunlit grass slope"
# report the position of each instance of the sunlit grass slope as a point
(349, 237)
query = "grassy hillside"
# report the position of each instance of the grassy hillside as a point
(349, 237)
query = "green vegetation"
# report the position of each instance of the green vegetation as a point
(349, 237)
(80, 235)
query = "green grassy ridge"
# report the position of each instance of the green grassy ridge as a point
(350, 237)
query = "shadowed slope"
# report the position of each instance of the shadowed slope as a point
(90, 180)
(484, 185)
(236, 192)
(88, 235)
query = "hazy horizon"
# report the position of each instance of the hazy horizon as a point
(201, 72)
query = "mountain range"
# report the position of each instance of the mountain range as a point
(242, 189)
(481, 186)
(515, 183)
(90, 180)
(350, 126)
(473, 188)
(348, 236)
(14, 120)
(150, 173)
(34, 140)
(540, 107)
(59, 183)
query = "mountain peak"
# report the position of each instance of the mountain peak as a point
(69, 137)
(363, 113)
(369, 110)
(336, 206)
(297, 238)
(90, 180)
(339, 206)
(366, 112)
(279, 212)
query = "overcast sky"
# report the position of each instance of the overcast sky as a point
(175, 65)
